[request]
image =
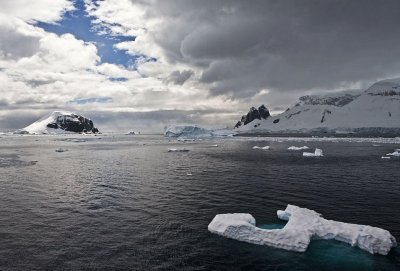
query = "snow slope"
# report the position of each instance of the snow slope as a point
(376, 109)
(303, 225)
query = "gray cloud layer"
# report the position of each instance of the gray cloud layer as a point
(245, 46)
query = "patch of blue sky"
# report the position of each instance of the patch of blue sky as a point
(78, 23)
(91, 100)
(118, 79)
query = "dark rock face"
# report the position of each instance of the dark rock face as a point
(238, 124)
(336, 101)
(326, 111)
(264, 113)
(73, 123)
(254, 113)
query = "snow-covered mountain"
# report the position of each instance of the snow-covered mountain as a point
(375, 110)
(59, 122)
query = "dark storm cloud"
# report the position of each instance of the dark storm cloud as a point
(179, 77)
(245, 46)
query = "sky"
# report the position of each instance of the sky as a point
(144, 64)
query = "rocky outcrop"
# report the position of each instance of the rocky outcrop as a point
(254, 113)
(73, 123)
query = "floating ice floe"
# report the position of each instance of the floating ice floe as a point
(185, 139)
(215, 145)
(395, 153)
(385, 157)
(261, 148)
(316, 153)
(303, 225)
(74, 140)
(178, 150)
(293, 148)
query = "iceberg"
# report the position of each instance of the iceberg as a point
(293, 148)
(193, 131)
(316, 153)
(261, 148)
(303, 225)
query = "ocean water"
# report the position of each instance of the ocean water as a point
(114, 202)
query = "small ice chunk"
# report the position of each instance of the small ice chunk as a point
(177, 150)
(316, 153)
(385, 157)
(303, 226)
(294, 148)
(261, 148)
(395, 153)
(215, 145)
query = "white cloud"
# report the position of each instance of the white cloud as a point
(37, 10)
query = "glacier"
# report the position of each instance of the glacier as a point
(316, 153)
(303, 225)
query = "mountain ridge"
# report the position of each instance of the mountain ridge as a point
(375, 110)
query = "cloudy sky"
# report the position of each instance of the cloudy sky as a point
(141, 65)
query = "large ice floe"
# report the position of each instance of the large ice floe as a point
(303, 225)
(316, 153)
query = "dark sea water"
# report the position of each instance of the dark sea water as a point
(126, 203)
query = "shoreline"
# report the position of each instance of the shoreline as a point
(319, 135)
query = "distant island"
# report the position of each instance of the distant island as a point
(59, 122)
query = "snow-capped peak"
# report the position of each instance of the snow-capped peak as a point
(60, 122)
